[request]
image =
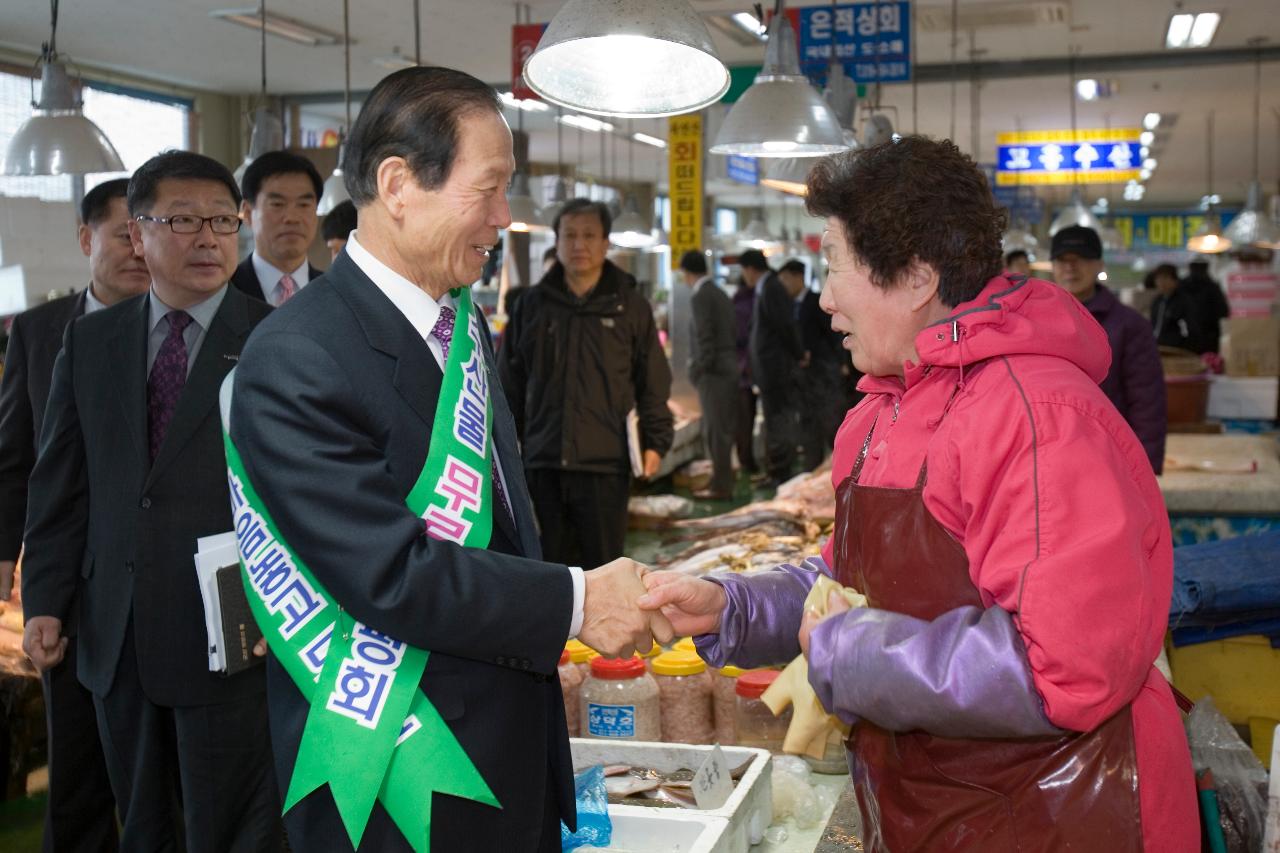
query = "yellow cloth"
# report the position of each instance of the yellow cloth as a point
(811, 725)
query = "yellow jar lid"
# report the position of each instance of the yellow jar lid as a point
(653, 652)
(685, 645)
(731, 671)
(580, 652)
(678, 663)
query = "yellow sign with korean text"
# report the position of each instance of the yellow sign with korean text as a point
(684, 160)
(1058, 157)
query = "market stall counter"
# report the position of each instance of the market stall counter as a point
(1218, 486)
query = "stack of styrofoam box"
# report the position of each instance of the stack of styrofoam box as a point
(732, 828)
(39, 252)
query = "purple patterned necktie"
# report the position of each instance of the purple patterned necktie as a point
(442, 331)
(168, 376)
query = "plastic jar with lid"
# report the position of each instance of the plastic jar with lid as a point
(724, 704)
(651, 655)
(571, 688)
(685, 644)
(684, 691)
(756, 724)
(581, 654)
(619, 701)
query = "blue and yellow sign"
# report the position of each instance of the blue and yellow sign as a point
(1053, 157)
(872, 40)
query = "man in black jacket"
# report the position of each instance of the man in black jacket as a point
(581, 350)
(281, 191)
(130, 474)
(81, 813)
(776, 355)
(821, 393)
(1207, 306)
(713, 370)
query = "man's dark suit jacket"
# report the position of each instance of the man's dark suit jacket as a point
(713, 350)
(245, 279)
(332, 413)
(122, 531)
(34, 341)
(776, 349)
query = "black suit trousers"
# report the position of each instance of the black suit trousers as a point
(583, 516)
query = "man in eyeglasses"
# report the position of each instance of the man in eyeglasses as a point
(130, 474)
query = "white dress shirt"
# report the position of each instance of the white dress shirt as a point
(91, 302)
(422, 312)
(269, 277)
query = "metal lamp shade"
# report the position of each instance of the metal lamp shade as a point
(524, 213)
(1252, 226)
(788, 175)
(335, 187)
(58, 139)
(1018, 238)
(781, 115)
(1208, 238)
(1075, 213)
(629, 58)
(630, 231)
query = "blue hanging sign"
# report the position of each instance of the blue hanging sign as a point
(744, 170)
(1041, 158)
(872, 40)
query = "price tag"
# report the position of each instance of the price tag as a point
(712, 784)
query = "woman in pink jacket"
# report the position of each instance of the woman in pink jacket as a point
(1005, 525)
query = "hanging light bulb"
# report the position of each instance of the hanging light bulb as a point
(1253, 227)
(58, 139)
(1208, 238)
(757, 235)
(1075, 213)
(268, 129)
(781, 115)
(632, 58)
(787, 175)
(630, 231)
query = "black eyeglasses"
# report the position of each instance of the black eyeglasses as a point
(185, 223)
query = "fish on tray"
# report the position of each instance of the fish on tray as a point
(645, 786)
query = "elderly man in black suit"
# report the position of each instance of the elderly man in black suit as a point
(130, 474)
(280, 191)
(345, 400)
(80, 814)
(713, 370)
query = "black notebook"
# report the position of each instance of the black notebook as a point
(240, 633)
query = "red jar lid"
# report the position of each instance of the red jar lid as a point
(564, 657)
(751, 684)
(617, 668)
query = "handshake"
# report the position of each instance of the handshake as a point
(627, 607)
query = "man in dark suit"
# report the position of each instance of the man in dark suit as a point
(130, 474)
(776, 354)
(81, 814)
(333, 413)
(821, 395)
(713, 370)
(280, 191)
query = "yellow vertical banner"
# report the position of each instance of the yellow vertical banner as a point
(684, 160)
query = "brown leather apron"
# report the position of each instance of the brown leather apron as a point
(918, 792)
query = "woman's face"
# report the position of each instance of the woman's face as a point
(878, 324)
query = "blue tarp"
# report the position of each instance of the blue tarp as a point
(1226, 588)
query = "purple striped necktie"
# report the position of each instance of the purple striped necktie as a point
(442, 331)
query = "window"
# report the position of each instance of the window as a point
(139, 125)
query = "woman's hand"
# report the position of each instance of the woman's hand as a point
(836, 604)
(692, 605)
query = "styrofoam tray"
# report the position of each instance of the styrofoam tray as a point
(749, 810)
(665, 830)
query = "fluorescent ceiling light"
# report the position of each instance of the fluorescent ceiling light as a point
(395, 61)
(1149, 164)
(1192, 30)
(528, 105)
(1087, 89)
(586, 123)
(1145, 174)
(1151, 121)
(649, 140)
(750, 23)
(1147, 138)
(278, 25)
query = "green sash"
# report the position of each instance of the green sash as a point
(371, 733)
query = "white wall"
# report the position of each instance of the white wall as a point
(39, 252)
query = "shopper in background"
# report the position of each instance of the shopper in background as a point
(1171, 310)
(1208, 307)
(744, 305)
(821, 395)
(1135, 379)
(131, 473)
(579, 352)
(776, 354)
(1018, 262)
(712, 370)
(81, 812)
(280, 190)
(337, 226)
(1012, 543)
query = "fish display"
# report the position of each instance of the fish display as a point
(645, 786)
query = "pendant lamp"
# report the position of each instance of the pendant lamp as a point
(1075, 213)
(525, 216)
(1208, 239)
(58, 139)
(629, 58)
(1253, 227)
(781, 115)
(631, 230)
(268, 129)
(335, 186)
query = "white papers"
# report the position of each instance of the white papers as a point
(213, 553)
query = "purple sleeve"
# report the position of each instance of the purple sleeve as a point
(759, 624)
(965, 674)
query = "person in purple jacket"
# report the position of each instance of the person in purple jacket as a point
(1135, 382)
